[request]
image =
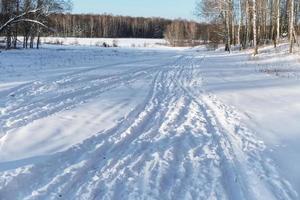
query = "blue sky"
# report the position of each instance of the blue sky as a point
(148, 8)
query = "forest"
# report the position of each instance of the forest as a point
(234, 23)
(250, 23)
(178, 32)
(33, 19)
(108, 26)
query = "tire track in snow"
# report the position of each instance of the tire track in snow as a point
(181, 143)
(244, 160)
(40, 99)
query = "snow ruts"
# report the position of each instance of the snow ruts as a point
(35, 100)
(180, 143)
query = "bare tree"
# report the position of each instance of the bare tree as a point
(33, 16)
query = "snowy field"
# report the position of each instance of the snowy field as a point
(119, 42)
(83, 122)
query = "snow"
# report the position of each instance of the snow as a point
(85, 122)
(120, 42)
(269, 100)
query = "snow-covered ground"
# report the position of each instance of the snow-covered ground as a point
(81, 122)
(120, 42)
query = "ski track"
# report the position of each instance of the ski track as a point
(180, 143)
(39, 99)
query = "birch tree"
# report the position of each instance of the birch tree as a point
(253, 22)
(291, 25)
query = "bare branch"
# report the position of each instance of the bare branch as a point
(16, 18)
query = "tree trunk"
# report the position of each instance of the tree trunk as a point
(38, 41)
(254, 28)
(291, 26)
(277, 22)
(240, 24)
(8, 38)
(227, 32)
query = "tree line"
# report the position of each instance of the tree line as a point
(108, 26)
(178, 32)
(251, 22)
(186, 33)
(242, 23)
(47, 18)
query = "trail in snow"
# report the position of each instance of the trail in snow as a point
(180, 143)
(60, 93)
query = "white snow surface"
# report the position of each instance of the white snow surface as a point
(119, 42)
(79, 122)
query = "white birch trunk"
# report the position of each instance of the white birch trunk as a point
(291, 26)
(254, 28)
(240, 23)
(278, 21)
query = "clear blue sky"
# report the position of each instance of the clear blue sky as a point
(148, 8)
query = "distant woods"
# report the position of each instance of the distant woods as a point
(185, 33)
(177, 32)
(108, 26)
(24, 22)
(235, 23)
